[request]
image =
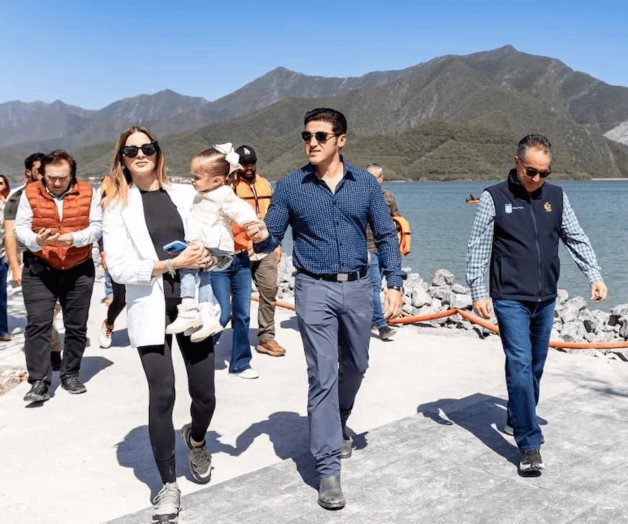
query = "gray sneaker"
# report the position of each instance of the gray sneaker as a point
(346, 448)
(167, 504)
(199, 459)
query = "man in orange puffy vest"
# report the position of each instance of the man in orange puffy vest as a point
(257, 191)
(58, 220)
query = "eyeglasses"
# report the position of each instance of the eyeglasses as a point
(531, 172)
(320, 136)
(147, 149)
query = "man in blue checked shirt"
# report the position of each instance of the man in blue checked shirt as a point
(516, 229)
(328, 203)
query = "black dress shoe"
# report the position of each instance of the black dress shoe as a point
(73, 385)
(330, 494)
(38, 392)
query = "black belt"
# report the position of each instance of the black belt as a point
(337, 277)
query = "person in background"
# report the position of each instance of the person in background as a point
(375, 272)
(516, 234)
(142, 214)
(333, 294)
(257, 192)
(14, 248)
(4, 318)
(117, 301)
(58, 220)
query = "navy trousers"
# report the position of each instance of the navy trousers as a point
(334, 322)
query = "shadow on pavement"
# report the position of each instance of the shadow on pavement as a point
(479, 414)
(90, 367)
(288, 432)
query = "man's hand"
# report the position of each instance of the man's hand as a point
(392, 303)
(63, 240)
(46, 236)
(483, 308)
(256, 231)
(16, 276)
(598, 291)
(277, 254)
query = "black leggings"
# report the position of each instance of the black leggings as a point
(199, 365)
(117, 302)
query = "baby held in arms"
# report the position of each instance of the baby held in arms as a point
(209, 224)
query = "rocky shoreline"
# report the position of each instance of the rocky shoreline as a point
(573, 321)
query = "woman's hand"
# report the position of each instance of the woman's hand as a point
(193, 257)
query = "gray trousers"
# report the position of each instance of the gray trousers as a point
(334, 322)
(264, 273)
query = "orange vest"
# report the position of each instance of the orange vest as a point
(76, 207)
(258, 195)
(403, 234)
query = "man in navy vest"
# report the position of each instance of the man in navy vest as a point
(517, 228)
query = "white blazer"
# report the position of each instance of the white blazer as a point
(131, 257)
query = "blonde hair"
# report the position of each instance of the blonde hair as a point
(119, 174)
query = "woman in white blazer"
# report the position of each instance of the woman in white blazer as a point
(141, 215)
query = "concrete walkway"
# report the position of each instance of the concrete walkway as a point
(87, 458)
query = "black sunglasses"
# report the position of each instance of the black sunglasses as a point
(531, 172)
(147, 149)
(320, 136)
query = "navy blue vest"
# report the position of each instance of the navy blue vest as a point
(524, 260)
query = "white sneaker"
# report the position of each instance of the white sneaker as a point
(188, 318)
(247, 373)
(104, 337)
(167, 504)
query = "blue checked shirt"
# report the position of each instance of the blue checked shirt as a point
(329, 229)
(481, 243)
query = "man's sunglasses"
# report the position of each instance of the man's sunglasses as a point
(147, 149)
(531, 172)
(320, 136)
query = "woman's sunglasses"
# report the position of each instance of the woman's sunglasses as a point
(147, 149)
(320, 136)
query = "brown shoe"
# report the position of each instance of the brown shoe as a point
(271, 348)
(5, 337)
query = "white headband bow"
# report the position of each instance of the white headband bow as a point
(230, 155)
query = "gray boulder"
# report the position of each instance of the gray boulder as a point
(571, 309)
(419, 296)
(616, 313)
(623, 330)
(461, 301)
(443, 277)
(573, 331)
(459, 289)
(561, 297)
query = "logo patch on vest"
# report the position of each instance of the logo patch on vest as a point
(548, 207)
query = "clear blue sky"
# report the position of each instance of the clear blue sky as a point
(90, 53)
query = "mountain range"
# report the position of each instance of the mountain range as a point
(454, 117)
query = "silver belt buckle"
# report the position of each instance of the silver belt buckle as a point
(342, 277)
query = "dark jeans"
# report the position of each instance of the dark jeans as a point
(334, 321)
(4, 319)
(42, 286)
(234, 283)
(157, 364)
(525, 329)
(118, 301)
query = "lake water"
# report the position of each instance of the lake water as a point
(441, 222)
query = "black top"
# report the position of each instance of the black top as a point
(164, 226)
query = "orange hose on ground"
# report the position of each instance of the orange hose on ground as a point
(620, 344)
